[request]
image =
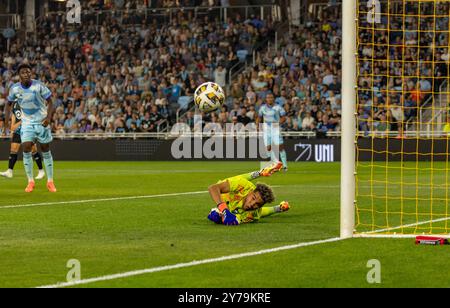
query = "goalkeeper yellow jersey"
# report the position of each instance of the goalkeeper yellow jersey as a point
(240, 187)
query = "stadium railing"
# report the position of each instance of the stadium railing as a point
(13, 21)
(164, 135)
(163, 126)
(136, 16)
(174, 135)
(439, 112)
(427, 110)
(184, 109)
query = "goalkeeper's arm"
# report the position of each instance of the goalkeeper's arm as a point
(217, 190)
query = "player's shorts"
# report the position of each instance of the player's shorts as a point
(36, 133)
(16, 138)
(272, 136)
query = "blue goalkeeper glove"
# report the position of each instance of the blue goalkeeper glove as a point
(215, 217)
(228, 219)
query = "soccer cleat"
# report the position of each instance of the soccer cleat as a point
(268, 171)
(51, 187)
(7, 174)
(40, 175)
(30, 187)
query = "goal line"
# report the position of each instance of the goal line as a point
(387, 233)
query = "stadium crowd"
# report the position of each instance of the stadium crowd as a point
(391, 95)
(142, 4)
(122, 77)
(303, 73)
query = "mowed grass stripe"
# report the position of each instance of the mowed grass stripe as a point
(190, 264)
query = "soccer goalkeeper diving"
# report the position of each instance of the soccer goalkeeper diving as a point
(240, 201)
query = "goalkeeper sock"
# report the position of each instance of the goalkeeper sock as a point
(48, 162)
(283, 156)
(253, 175)
(38, 159)
(12, 161)
(270, 210)
(28, 165)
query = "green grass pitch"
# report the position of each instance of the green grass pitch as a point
(118, 236)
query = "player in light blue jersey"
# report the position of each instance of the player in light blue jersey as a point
(273, 115)
(16, 143)
(34, 100)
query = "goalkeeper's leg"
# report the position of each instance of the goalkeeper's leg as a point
(272, 210)
(266, 172)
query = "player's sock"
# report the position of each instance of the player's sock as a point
(28, 164)
(283, 156)
(38, 159)
(269, 154)
(253, 175)
(48, 162)
(12, 161)
(274, 156)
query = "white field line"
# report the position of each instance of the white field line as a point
(102, 200)
(150, 197)
(185, 265)
(107, 199)
(398, 236)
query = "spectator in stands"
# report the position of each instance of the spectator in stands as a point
(220, 76)
(383, 125)
(121, 128)
(146, 123)
(335, 119)
(243, 118)
(69, 122)
(397, 118)
(85, 126)
(237, 92)
(308, 122)
(156, 118)
(235, 112)
(251, 113)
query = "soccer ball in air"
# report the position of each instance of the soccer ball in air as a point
(209, 97)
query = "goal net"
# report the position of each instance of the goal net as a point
(403, 125)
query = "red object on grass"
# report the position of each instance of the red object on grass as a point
(428, 240)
